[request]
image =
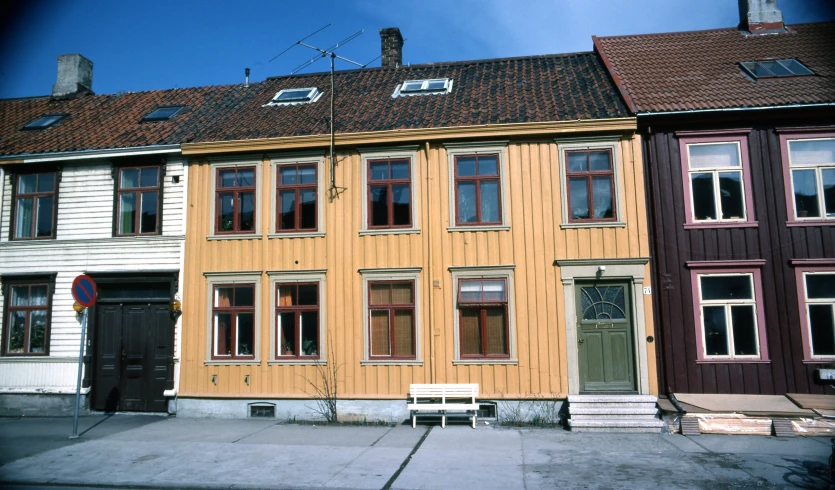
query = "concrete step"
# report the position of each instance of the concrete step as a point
(629, 416)
(612, 405)
(604, 424)
(612, 399)
(651, 430)
(594, 410)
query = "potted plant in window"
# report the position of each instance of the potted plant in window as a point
(288, 349)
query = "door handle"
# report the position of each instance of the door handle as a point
(580, 341)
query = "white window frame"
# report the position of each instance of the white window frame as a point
(236, 278)
(220, 163)
(368, 154)
(727, 303)
(805, 311)
(817, 167)
(424, 90)
(404, 274)
(714, 171)
(486, 272)
(565, 145)
(295, 159)
(312, 96)
(289, 277)
(486, 148)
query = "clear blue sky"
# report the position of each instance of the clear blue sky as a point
(159, 44)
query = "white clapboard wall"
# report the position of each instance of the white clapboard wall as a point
(83, 243)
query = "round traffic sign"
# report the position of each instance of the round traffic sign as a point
(84, 290)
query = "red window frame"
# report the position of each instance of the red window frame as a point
(233, 311)
(388, 183)
(589, 175)
(478, 179)
(482, 306)
(297, 310)
(10, 309)
(139, 190)
(391, 308)
(298, 188)
(236, 210)
(35, 196)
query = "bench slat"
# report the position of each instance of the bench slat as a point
(442, 406)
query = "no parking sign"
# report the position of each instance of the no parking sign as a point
(84, 290)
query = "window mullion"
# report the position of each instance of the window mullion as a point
(717, 198)
(730, 328)
(297, 328)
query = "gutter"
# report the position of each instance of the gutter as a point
(736, 109)
(87, 154)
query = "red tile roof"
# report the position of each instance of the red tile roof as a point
(700, 70)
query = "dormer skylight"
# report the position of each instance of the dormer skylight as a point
(775, 68)
(163, 113)
(293, 96)
(44, 121)
(423, 87)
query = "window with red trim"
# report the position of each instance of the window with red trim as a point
(138, 201)
(34, 206)
(591, 185)
(817, 292)
(391, 319)
(233, 312)
(26, 331)
(297, 320)
(296, 191)
(389, 193)
(482, 322)
(812, 177)
(235, 200)
(478, 190)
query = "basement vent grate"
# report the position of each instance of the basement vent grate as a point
(486, 410)
(783, 428)
(262, 411)
(690, 426)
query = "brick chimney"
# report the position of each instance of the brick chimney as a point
(392, 47)
(760, 16)
(75, 75)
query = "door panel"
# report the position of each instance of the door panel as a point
(108, 372)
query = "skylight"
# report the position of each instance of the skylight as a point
(163, 113)
(775, 68)
(45, 121)
(292, 96)
(423, 87)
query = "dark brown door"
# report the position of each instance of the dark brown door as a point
(134, 353)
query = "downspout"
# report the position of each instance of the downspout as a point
(429, 282)
(672, 397)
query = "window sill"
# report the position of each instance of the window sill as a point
(301, 234)
(393, 362)
(297, 362)
(826, 360)
(35, 358)
(232, 363)
(390, 231)
(601, 224)
(733, 361)
(721, 224)
(234, 237)
(478, 228)
(465, 362)
(816, 222)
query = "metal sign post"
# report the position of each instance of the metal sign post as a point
(84, 292)
(78, 381)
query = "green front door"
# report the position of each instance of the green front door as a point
(604, 336)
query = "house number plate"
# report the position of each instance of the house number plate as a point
(647, 290)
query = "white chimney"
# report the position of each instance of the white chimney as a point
(760, 16)
(75, 74)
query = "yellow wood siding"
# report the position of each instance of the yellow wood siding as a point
(533, 242)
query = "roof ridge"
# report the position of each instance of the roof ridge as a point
(704, 31)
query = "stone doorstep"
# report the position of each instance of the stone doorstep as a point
(650, 430)
(629, 416)
(615, 422)
(649, 411)
(611, 405)
(612, 399)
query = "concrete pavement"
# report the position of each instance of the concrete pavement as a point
(140, 452)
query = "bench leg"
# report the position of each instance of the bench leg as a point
(474, 416)
(413, 420)
(443, 421)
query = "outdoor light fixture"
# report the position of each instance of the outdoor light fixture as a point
(601, 269)
(77, 307)
(176, 309)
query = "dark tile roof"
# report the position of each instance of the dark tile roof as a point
(512, 90)
(700, 70)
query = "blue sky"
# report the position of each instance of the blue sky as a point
(159, 44)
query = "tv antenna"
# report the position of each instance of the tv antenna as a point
(333, 191)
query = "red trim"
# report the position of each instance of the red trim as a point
(477, 180)
(236, 192)
(715, 132)
(392, 308)
(589, 176)
(388, 184)
(35, 196)
(812, 262)
(297, 310)
(138, 191)
(233, 325)
(27, 326)
(805, 333)
(297, 188)
(785, 136)
(730, 264)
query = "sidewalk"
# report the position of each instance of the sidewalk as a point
(144, 451)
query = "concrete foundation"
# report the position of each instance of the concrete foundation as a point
(373, 411)
(40, 405)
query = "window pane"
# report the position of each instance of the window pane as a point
(490, 201)
(488, 165)
(401, 209)
(148, 220)
(716, 331)
(23, 218)
(246, 177)
(226, 178)
(578, 161)
(310, 333)
(223, 334)
(436, 85)
(380, 333)
(822, 327)
(307, 174)
(465, 166)
(227, 212)
(37, 330)
(795, 67)
(599, 160)
(403, 342)
(494, 290)
(308, 294)
(287, 295)
(828, 178)
(379, 206)
(287, 218)
(579, 193)
(466, 202)
(820, 286)
(726, 287)
(244, 296)
(308, 209)
(776, 68)
(812, 152)
(37, 295)
(44, 224)
(149, 177)
(401, 293)
(379, 170)
(496, 339)
(602, 189)
(287, 330)
(400, 169)
(288, 175)
(245, 334)
(26, 183)
(708, 156)
(745, 330)
(730, 195)
(223, 296)
(46, 182)
(805, 193)
(470, 332)
(247, 218)
(127, 213)
(20, 295)
(17, 325)
(380, 293)
(130, 178)
(704, 205)
(470, 291)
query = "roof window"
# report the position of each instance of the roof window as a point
(293, 96)
(163, 113)
(45, 121)
(775, 68)
(423, 87)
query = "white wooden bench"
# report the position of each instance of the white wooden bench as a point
(455, 398)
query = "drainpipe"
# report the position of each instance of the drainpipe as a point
(674, 401)
(430, 281)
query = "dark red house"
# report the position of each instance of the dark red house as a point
(738, 129)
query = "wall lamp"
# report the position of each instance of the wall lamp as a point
(176, 309)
